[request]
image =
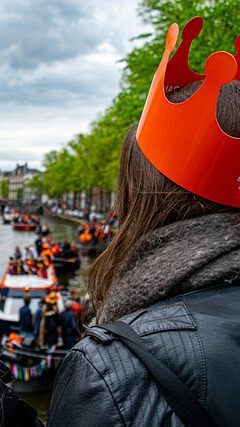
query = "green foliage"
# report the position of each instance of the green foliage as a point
(58, 172)
(4, 188)
(221, 23)
(38, 184)
(92, 160)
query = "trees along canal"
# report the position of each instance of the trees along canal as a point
(91, 160)
(4, 189)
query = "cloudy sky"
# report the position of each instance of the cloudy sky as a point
(58, 70)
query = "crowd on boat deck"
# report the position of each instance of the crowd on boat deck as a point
(25, 219)
(37, 258)
(95, 232)
(47, 247)
(50, 328)
(42, 267)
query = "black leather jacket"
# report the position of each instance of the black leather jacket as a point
(197, 335)
(14, 412)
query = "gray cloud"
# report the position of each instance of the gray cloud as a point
(43, 31)
(58, 69)
(35, 32)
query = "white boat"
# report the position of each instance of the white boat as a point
(12, 290)
(34, 369)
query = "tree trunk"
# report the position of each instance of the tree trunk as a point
(101, 200)
(75, 199)
(89, 199)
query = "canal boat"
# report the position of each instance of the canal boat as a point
(33, 368)
(22, 222)
(12, 290)
(24, 227)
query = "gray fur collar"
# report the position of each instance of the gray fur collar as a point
(183, 256)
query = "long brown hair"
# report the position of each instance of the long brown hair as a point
(147, 200)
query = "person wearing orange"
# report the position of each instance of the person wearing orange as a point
(41, 270)
(97, 233)
(166, 344)
(46, 250)
(25, 219)
(48, 266)
(55, 248)
(30, 267)
(49, 321)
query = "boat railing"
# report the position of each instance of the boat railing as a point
(55, 354)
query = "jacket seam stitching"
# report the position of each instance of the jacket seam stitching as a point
(101, 376)
(153, 383)
(203, 366)
(61, 394)
(203, 359)
(134, 317)
(126, 376)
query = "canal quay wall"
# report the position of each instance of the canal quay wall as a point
(66, 218)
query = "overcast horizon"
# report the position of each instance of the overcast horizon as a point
(58, 70)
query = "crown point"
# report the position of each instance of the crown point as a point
(192, 28)
(237, 44)
(221, 67)
(172, 36)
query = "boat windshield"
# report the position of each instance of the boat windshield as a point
(17, 298)
(17, 303)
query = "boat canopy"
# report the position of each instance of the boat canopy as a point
(25, 281)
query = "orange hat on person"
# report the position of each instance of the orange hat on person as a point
(52, 298)
(184, 141)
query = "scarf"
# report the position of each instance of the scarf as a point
(184, 256)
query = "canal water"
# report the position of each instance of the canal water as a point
(9, 239)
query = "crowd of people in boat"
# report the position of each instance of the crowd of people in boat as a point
(25, 219)
(39, 267)
(47, 246)
(49, 328)
(95, 232)
(38, 257)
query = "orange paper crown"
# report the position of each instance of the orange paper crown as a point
(184, 141)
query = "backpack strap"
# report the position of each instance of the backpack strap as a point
(179, 397)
